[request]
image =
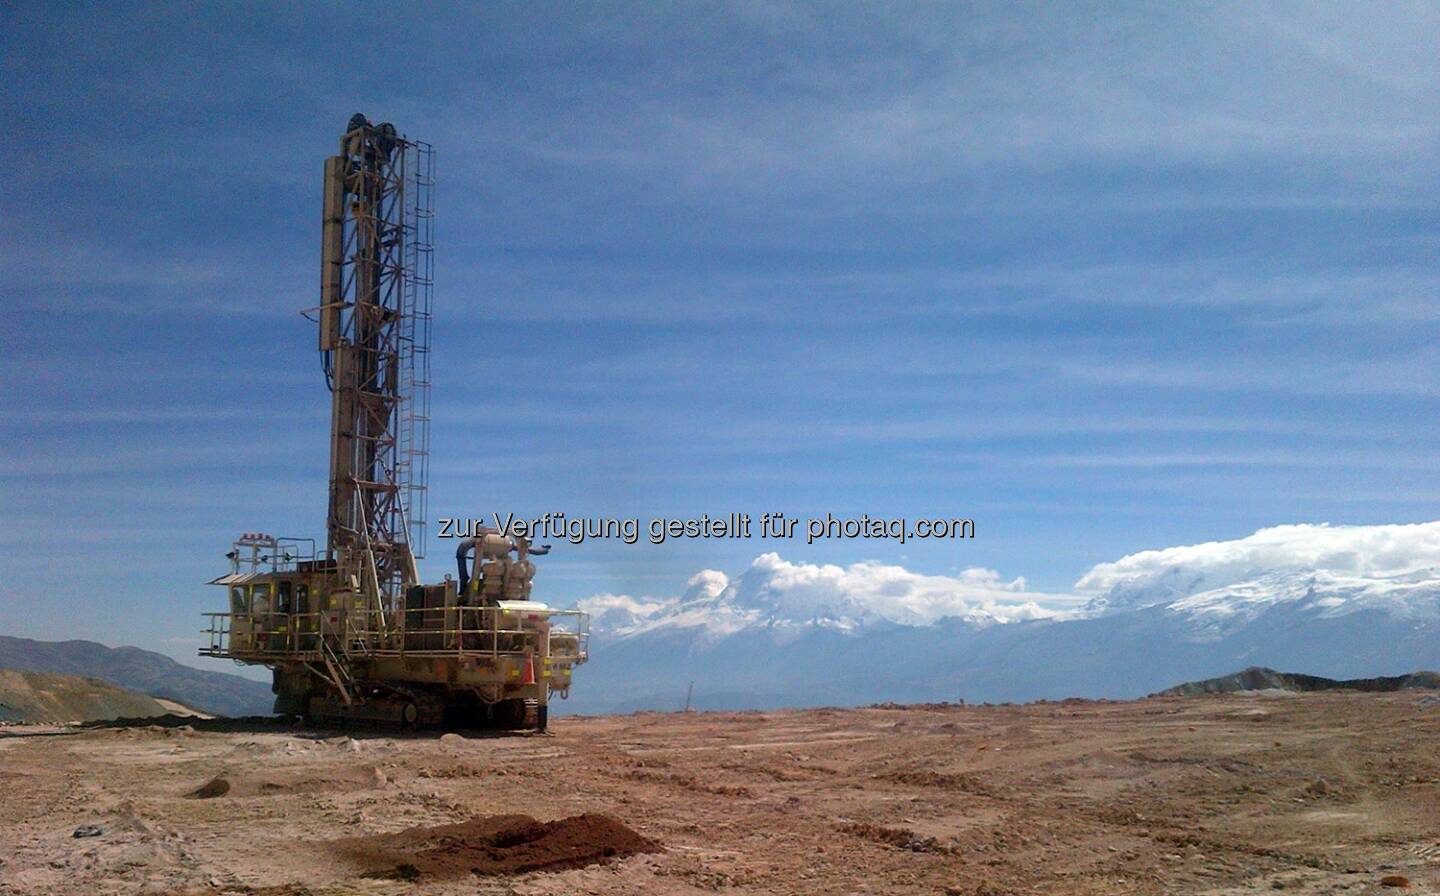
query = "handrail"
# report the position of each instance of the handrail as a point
(491, 631)
(379, 593)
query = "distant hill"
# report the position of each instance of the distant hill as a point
(1258, 678)
(140, 670)
(48, 697)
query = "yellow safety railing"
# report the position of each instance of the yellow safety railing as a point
(439, 631)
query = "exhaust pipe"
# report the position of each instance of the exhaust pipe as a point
(462, 552)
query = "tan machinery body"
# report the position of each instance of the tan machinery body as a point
(444, 657)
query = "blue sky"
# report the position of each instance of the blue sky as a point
(1102, 277)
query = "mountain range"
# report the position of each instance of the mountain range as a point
(140, 670)
(1336, 601)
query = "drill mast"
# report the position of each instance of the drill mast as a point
(375, 293)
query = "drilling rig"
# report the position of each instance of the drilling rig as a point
(350, 632)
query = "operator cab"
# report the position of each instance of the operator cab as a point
(273, 585)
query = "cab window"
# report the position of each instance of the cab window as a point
(238, 604)
(260, 598)
(282, 598)
(302, 598)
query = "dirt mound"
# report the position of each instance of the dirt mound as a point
(964, 783)
(220, 724)
(210, 789)
(497, 844)
(281, 782)
(900, 838)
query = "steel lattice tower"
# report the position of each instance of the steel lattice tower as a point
(376, 280)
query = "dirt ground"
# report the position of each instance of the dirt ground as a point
(1318, 793)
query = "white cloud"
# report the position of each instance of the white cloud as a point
(867, 590)
(786, 596)
(706, 584)
(1349, 552)
(620, 611)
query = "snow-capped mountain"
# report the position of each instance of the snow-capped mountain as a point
(1320, 593)
(1344, 601)
(1317, 571)
(789, 600)
(1366, 558)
